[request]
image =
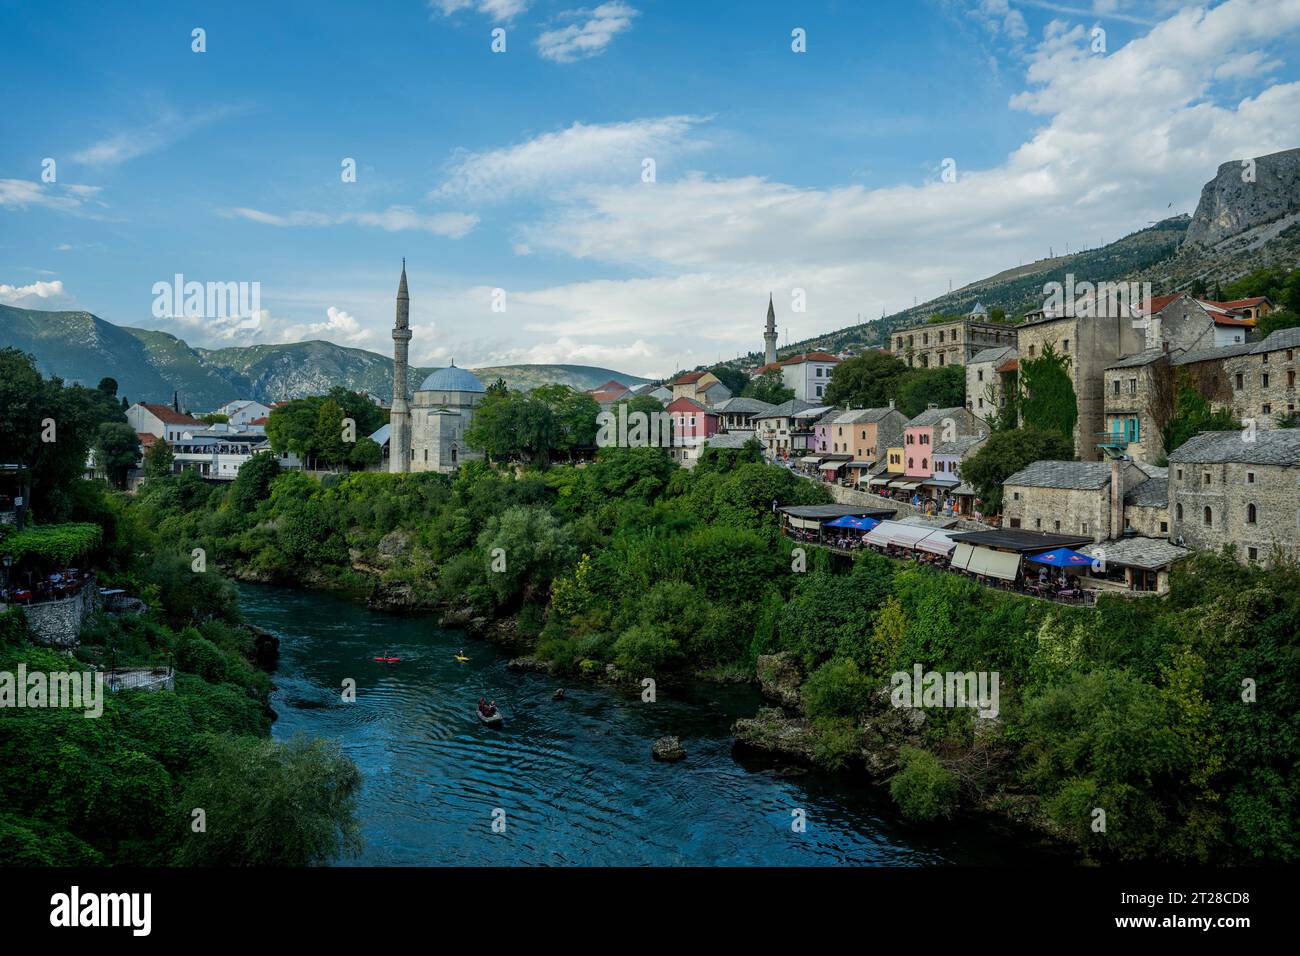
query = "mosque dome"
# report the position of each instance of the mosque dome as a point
(452, 379)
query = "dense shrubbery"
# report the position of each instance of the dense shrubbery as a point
(1134, 707)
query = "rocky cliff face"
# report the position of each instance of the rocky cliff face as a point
(1231, 204)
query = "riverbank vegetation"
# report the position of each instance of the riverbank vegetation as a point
(1176, 717)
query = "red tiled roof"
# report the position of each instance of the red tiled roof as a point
(689, 377)
(1160, 303)
(713, 384)
(1245, 303)
(146, 438)
(165, 413)
(259, 421)
(1010, 365)
(608, 395)
(684, 404)
(810, 357)
(610, 386)
(769, 367)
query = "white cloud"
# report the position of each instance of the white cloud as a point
(166, 128)
(578, 41)
(22, 193)
(582, 153)
(38, 295)
(998, 16)
(503, 10)
(452, 225)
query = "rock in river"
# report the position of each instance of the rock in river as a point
(667, 748)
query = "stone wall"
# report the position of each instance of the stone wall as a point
(1263, 387)
(58, 623)
(949, 343)
(1058, 510)
(1146, 391)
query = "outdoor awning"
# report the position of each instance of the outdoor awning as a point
(861, 464)
(810, 459)
(1061, 558)
(936, 542)
(879, 481)
(907, 485)
(852, 523)
(941, 482)
(960, 557)
(994, 564)
(809, 524)
(899, 535)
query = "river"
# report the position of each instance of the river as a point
(574, 776)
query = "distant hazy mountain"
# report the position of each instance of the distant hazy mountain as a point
(150, 365)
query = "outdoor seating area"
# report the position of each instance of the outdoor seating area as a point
(58, 584)
(1037, 565)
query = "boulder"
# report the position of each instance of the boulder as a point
(771, 731)
(779, 677)
(667, 748)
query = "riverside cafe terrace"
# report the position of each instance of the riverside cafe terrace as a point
(808, 522)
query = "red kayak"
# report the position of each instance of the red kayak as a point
(388, 660)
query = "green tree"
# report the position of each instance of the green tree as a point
(1004, 454)
(158, 459)
(1047, 394)
(116, 448)
(287, 804)
(867, 381)
(1192, 415)
(735, 379)
(918, 388)
(768, 387)
(327, 435)
(253, 483)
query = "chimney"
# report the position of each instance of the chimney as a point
(1116, 498)
(891, 403)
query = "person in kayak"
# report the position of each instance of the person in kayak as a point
(485, 708)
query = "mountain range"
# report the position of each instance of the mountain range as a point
(152, 366)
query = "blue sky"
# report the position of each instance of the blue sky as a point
(775, 171)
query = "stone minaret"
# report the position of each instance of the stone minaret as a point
(399, 430)
(769, 334)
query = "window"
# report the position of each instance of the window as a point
(1267, 409)
(1015, 522)
(1178, 512)
(1250, 477)
(925, 463)
(1132, 386)
(819, 371)
(1208, 517)
(1164, 527)
(979, 376)
(1240, 381)
(1206, 477)
(1180, 474)
(1265, 360)
(1265, 381)
(1290, 379)
(1031, 351)
(909, 462)
(1083, 528)
(1290, 354)
(940, 358)
(1252, 553)
(1065, 345)
(1251, 514)
(1058, 525)
(1115, 388)
(1015, 496)
(819, 391)
(1038, 522)
(1134, 430)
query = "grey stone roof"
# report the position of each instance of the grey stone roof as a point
(1281, 339)
(1206, 355)
(1137, 552)
(831, 415)
(1273, 446)
(743, 406)
(1152, 493)
(1138, 359)
(1072, 475)
(1152, 471)
(732, 439)
(959, 446)
(786, 409)
(991, 354)
(933, 416)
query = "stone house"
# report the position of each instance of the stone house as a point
(1146, 506)
(703, 387)
(1138, 403)
(1235, 488)
(985, 388)
(1263, 379)
(1070, 497)
(936, 344)
(1090, 343)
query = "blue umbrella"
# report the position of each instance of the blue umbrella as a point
(857, 524)
(1062, 558)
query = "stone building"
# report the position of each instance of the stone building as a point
(739, 413)
(1263, 379)
(986, 386)
(936, 344)
(1091, 343)
(428, 432)
(1146, 506)
(1241, 489)
(1138, 403)
(1070, 497)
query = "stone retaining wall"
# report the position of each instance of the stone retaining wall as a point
(58, 623)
